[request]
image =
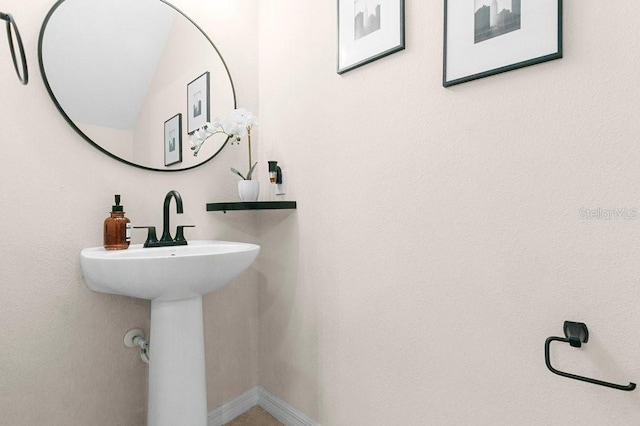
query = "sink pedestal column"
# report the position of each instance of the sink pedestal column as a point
(177, 381)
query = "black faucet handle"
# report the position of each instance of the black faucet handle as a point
(180, 234)
(151, 235)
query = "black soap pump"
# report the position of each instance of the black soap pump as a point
(117, 228)
(275, 177)
(275, 172)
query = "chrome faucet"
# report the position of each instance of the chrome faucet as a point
(166, 239)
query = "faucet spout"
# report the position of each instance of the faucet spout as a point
(167, 239)
(166, 233)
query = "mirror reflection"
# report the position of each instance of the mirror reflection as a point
(127, 76)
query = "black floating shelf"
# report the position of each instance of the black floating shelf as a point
(251, 205)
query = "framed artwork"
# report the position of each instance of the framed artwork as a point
(198, 103)
(487, 37)
(368, 30)
(173, 140)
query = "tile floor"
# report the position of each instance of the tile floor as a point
(255, 417)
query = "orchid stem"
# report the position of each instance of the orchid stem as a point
(249, 142)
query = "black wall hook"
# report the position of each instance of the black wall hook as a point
(576, 333)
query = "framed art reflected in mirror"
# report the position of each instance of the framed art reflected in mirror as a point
(198, 103)
(173, 140)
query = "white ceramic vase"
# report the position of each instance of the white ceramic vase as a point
(248, 190)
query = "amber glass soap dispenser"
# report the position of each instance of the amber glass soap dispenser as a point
(117, 229)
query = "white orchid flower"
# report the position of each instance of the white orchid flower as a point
(250, 120)
(214, 124)
(244, 118)
(236, 125)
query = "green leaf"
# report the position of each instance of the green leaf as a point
(234, 170)
(251, 170)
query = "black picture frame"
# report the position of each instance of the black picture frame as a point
(537, 42)
(173, 140)
(359, 45)
(198, 102)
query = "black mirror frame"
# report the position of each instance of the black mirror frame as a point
(87, 138)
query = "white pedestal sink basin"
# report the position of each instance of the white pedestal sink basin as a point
(174, 279)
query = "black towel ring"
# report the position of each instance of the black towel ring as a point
(12, 29)
(576, 333)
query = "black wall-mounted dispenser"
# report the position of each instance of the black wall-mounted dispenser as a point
(276, 179)
(275, 172)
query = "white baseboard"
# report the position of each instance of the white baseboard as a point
(281, 410)
(273, 405)
(232, 409)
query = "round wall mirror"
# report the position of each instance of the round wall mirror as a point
(135, 78)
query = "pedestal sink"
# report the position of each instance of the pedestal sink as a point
(174, 279)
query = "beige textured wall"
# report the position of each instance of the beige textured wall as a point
(62, 361)
(438, 239)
